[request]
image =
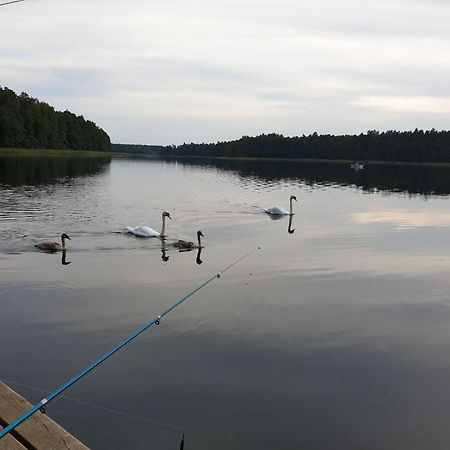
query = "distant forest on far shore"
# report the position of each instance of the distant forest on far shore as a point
(406, 146)
(25, 122)
(139, 149)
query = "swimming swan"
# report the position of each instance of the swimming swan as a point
(188, 245)
(277, 211)
(150, 232)
(53, 246)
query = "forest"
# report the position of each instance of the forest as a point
(407, 146)
(140, 149)
(25, 122)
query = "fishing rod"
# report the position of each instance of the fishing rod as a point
(13, 1)
(156, 321)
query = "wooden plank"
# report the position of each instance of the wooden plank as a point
(39, 431)
(9, 443)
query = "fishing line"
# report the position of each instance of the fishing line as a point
(13, 1)
(156, 321)
(94, 405)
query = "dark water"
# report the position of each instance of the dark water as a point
(334, 336)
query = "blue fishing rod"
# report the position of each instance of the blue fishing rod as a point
(156, 321)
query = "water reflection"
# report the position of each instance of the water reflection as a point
(198, 260)
(165, 257)
(354, 306)
(290, 229)
(32, 170)
(275, 216)
(64, 261)
(408, 178)
(404, 218)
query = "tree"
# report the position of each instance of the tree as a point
(26, 122)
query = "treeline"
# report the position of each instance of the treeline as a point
(408, 146)
(138, 149)
(25, 122)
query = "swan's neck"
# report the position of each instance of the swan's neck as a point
(290, 208)
(63, 240)
(163, 226)
(199, 241)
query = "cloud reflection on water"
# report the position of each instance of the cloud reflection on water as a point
(404, 219)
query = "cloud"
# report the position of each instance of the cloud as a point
(217, 70)
(419, 105)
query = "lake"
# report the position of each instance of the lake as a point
(334, 335)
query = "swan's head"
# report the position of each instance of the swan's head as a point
(293, 197)
(199, 233)
(166, 214)
(65, 236)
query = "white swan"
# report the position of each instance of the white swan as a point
(150, 232)
(277, 211)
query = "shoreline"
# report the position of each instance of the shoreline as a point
(297, 160)
(90, 153)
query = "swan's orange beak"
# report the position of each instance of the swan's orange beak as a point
(168, 215)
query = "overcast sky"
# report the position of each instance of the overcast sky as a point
(174, 71)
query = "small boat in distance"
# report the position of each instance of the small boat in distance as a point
(357, 166)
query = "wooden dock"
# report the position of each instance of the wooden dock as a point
(39, 432)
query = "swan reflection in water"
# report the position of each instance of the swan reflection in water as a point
(198, 259)
(290, 229)
(165, 258)
(64, 261)
(276, 217)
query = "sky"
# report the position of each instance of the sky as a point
(171, 71)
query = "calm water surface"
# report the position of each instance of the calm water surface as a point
(334, 335)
